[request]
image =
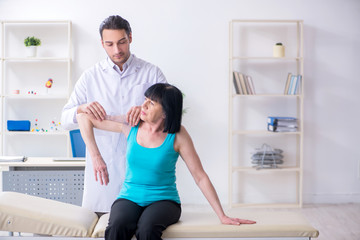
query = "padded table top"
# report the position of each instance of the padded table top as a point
(30, 214)
(207, 225)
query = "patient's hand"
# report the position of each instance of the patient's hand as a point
(235, 221)
(100, 169)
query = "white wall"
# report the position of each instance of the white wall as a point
(188, 40)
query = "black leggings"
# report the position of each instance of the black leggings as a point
(147, 223)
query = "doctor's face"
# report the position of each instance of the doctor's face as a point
(117, 45)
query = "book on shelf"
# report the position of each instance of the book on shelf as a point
(286, 90)
(298, 84)
(247, 85)
(292, 85)
(274, 120)
(282, 124)
(236, 83)
(243, 84)
(287, 125)
(251, 84)
(273, 128)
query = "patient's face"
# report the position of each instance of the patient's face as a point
(117, 45)
(151, 111)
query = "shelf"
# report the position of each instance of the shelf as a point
(36, 59)
(54, 133)
(268, 58)
(43, 162)
(267, 21)
(267, 95)
(36, 22)
(37, 97)
(251, 45)
(254, 170)
(254, 132)
(26, 74)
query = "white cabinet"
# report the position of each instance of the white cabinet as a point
(23, 92)
(251, 53)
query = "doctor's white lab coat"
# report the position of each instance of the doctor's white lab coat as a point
(117, 92)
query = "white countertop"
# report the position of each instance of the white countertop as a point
(43, 162)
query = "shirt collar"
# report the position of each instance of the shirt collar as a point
(125, 65)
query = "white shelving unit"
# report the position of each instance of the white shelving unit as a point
(29, 75)
(251, 52)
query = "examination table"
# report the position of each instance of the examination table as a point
(49, 219)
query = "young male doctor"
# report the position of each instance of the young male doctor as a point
(112, 87)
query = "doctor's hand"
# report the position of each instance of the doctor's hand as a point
(94, 108)
(100, 170)
(133, 115)
(235, 221)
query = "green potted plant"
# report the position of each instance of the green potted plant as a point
(279, 50)
(31, 44)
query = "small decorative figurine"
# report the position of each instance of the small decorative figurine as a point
(48, 84)
(54, 126)
(36, 128)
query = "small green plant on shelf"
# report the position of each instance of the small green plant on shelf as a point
(32, 41)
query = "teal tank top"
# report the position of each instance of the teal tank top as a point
(150, 172)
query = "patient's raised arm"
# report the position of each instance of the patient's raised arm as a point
(86, 124)
(116, 118)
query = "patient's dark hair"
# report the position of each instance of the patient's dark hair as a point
(115, 23)
(171, 100)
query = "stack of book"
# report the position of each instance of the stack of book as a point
(282, 124)
(243, 84)
(293, 84)
(267, 157)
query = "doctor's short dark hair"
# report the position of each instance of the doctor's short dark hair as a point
(115, 23)
(171, 100)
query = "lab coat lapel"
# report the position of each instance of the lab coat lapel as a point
(133, 68)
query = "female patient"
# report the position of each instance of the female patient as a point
(148, 201)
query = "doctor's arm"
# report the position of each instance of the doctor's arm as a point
(133, 116)
(93, 108)
(86, 124)
(79, 103)
(188, 153)
(77, 98)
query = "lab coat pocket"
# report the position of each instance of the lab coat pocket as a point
(137, 93)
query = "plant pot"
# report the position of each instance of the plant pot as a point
(31, 51)
(279, 51)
